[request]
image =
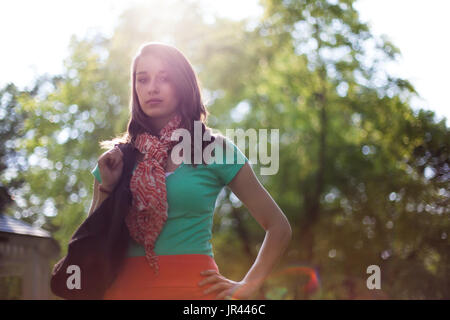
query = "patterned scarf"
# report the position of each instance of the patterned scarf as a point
(148, 212)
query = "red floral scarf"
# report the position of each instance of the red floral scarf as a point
(148, 212)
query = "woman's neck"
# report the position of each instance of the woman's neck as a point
(160, 122)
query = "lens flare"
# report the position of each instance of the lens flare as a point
(310, 287)
(313, 283)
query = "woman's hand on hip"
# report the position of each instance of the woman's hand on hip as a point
(110, 165)
(226, 288)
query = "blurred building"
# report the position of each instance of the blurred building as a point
(25, 256)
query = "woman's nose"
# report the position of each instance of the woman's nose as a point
(153, 86)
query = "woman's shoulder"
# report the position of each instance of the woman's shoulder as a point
(219, 139)
(219, 142)
(227, 148)
(227, 158)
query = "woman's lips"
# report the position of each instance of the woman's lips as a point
(154, 101)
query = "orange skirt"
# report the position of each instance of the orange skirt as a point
(177, 279)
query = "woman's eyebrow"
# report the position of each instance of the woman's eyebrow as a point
(145, 72)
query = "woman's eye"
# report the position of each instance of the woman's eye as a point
(160, 79)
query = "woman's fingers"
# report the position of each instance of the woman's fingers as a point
(111, 166)
(110, 162)
(208, 272)
(210, 279)
(217, 286)
(117, 162)
(219, 283)
(106, 159)
(112, 158)
(118, 151)
(118, 157)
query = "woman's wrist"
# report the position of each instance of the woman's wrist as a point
(255, 284)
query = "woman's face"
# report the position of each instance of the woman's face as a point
(153, 83)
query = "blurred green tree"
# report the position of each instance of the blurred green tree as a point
(11, 129)
(350, 179)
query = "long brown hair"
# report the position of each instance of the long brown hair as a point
(187, 88)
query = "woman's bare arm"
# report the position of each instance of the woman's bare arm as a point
(110, 165)
(248, 189)
(97, 198)
(246, 186)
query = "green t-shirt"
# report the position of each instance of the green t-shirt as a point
(191, 197)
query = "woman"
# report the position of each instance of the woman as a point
(170, 220)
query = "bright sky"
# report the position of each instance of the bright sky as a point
(419, 29)
(36, 34)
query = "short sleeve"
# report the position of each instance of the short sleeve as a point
(96, 174)
(232, 161)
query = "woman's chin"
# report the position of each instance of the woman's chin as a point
(154, 113)
(158, 115)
